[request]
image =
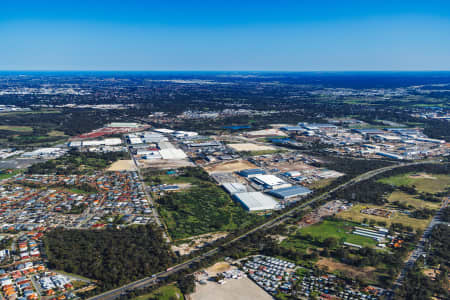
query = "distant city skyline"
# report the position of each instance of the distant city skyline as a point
(225, 35)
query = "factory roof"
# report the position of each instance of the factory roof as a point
(234, 187)
(251, 172)
(269, 180)
(172, 154)
(292, 191)
(254, 201)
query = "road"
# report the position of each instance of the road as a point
(419, 249)
(155, 214)
(113, 294)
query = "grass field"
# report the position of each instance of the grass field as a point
(16, 128)
(412, 200)
(354, 214)
(8, 175)
(341, 230)
(167, 292)
(430, 183)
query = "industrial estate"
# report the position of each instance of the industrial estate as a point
(136, 201)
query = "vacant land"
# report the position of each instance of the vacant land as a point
(250, 147)
(412, 200)
(16, 128)
(340, 230)
(354, 214)
(168, 292)
(232, 166)
(430, 183)
(233, 289)
(122, 165)
(202, 209)
(333, 266)
(77, 163)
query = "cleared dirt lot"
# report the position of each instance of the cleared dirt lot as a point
(233, 289)
(331, 265)
(230, 166)
(122, 165)
(250, 147)
(165, 163)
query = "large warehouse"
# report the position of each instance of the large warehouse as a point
(256, 201)
(270, 182)
(290, 192)
(234, 187)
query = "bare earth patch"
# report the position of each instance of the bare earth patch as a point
(230, 166)
(196, 242)
(218, 268)
(122, 165)
(250, 147)
(422, 175)
(233, 289)
(331, 265)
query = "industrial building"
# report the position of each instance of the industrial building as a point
(249, 173)
(290, 192)
(256, 201)
(172, 154)
(234, 187)
(270, 181)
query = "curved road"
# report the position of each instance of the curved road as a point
(147, 281)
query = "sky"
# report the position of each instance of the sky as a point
(225, 35)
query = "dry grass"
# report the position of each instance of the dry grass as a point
(232, 166)
(250, 147)
(411, 200)
(122, 165)
(352, 272)
(354, 214)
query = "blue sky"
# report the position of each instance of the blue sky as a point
(225, 35)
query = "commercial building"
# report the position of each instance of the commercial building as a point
(249, 173)
(256, 201)
(290, 192)
(173, 154)
(234, 187)
(270, 181)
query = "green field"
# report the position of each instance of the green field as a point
(168, 292)
(202, 209)
(412, 200)
(16, 128)
(8, 175)
(340, 230)
(430, 183)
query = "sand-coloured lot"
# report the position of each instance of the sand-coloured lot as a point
(230, 166)
(250, 147)
(122, 165)
(233, 289)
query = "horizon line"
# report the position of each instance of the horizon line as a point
(210, 70)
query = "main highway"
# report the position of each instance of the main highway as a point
(148, 281)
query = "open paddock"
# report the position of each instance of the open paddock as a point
(230, 166)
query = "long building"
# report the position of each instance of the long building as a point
(256, 201)
(271, 182)
(290, 192)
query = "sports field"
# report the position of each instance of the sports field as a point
(340, 230)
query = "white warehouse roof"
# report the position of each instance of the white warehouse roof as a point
(254, 201)
(271, 181)
(234, 187)
(172, 154)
